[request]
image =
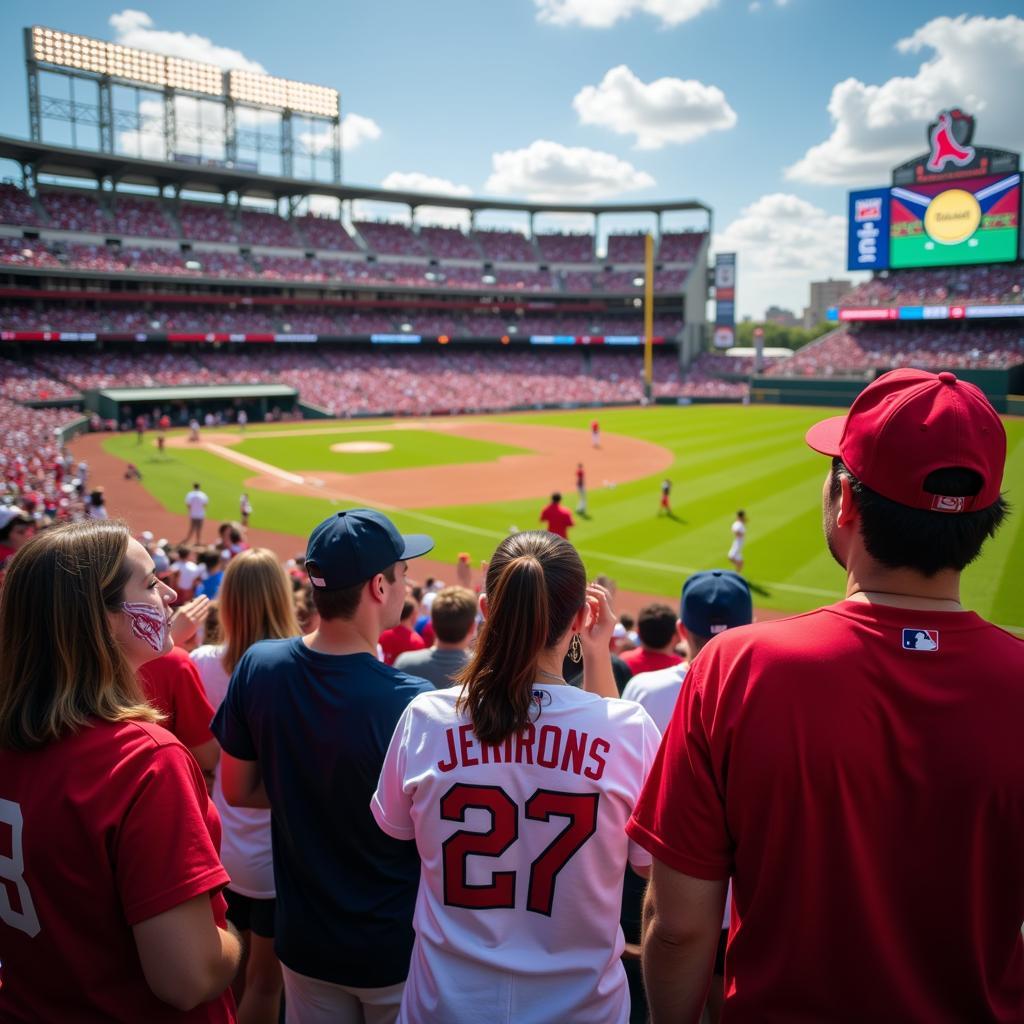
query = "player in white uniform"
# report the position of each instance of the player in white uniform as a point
(739, 535)
(516, 788)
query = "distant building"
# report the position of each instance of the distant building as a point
(782, 317)
(824, 294)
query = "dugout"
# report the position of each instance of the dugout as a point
(184, 403)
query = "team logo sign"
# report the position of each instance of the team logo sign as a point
(920, 639)
(950, 137)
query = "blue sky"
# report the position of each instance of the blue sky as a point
(767, 110)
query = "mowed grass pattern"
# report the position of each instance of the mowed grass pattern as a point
(726, 457)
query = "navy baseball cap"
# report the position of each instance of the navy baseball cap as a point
(353, 546)
(714, 601)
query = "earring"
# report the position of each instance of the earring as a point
(576, 648)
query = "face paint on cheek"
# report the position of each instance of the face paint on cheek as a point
(147, 624)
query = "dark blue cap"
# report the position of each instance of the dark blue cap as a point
(714, 601)
(353, 546)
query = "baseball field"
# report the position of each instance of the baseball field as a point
(468, 481)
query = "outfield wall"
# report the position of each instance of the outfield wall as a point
(999, 385)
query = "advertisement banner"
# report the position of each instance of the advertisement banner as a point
(868, 230)
(725, 299)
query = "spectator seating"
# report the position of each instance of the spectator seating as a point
(257, 227)
(626, 248)
(987, 284)
(505, 246)
(681, 247)
(558, 248)
(389, 238)
(449, 244)
(16, 207)
(326, 233)
(78, 210)
(19, 252)
(141, 218)
(207, 222)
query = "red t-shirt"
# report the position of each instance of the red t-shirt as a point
(858, 772)
(173, 686)
(113, 826)
(642, 660)
(558, 519)
(397, 641)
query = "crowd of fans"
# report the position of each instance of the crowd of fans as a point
(559, 248)
(141, 218)
(986, 284)
(854, 350)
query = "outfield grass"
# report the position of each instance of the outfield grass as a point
(726, 457)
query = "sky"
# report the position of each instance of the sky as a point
(769, 111)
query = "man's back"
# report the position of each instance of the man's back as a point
(320, 725)
(434, 665)
(873, 792)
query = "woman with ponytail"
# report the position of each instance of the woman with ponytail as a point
(517, 789)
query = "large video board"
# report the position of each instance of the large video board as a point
(955, 222)
(935, 224)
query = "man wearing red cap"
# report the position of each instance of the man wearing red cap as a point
(856, 771)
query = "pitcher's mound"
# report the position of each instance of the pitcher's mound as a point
(361, 447)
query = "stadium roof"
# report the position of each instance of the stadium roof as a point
(198, 393)
(221, 179)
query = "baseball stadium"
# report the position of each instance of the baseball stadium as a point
(451, 376)
(425, 606)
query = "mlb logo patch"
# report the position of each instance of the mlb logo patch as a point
(945, 503)
(920, 639)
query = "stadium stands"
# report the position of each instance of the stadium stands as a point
(681, 247)
(983, 285)
(326, 233)
(389, 238)
(207, 222)
(142, 218)
(505, 246)
(853, 351)
(17, 252)
(557, 248)
(449, 243)
(16, 207)
(626, 248)
(263, 228)
(75, 211)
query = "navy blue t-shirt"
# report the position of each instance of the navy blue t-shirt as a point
(320, 725)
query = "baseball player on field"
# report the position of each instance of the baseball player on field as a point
(516, 789)
(739, 536)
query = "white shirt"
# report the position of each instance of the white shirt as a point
(188, 572)
(197, 502)
(739, 532)
(517, 915)
(245, 848)
(656, 692)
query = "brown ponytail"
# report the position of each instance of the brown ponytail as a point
(535, 585)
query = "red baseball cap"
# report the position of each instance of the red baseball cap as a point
(909, 423)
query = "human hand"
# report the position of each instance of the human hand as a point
(463, 573)
(596, 633)
(188, 618)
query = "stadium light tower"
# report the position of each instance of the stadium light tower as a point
(105, 65)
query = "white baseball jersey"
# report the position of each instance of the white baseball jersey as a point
(739, 535)
(523, 849)
(197, 502)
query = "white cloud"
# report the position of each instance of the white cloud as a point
(662, 111)
(975, 63)
(135, 28)
(550, 172)
(755, 5)
(356, 129)
(417, 181)
(605, 13)
(783, 242)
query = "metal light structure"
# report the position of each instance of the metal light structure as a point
(106, 65)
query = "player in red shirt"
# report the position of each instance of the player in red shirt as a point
(557, 517)
(857, 770)
(110, 903)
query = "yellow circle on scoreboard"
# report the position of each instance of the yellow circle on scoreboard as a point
(952, 217)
